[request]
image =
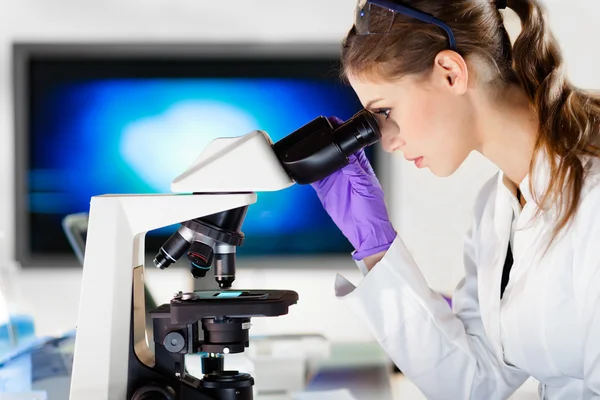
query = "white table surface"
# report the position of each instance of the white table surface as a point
(366, 371)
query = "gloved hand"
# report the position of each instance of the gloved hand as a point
(353, 198)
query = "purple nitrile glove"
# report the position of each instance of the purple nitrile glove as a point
(353, 198)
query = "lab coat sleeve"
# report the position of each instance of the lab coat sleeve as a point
(586, 278)
(445, 353)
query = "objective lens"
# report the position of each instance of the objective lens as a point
(201, 257)
(225, 270)
(173, 248)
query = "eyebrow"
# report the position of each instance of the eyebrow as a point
(370, 103)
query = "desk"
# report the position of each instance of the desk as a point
(362, 368)
(365, 370)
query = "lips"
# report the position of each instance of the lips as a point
(417, 160)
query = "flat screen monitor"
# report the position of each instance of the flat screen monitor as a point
(117, 119)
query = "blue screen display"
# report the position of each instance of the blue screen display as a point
(134, 135)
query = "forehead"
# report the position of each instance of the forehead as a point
(372, 89)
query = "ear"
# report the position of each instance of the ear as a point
(450, 70)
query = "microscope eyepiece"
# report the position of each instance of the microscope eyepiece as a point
(317, 150)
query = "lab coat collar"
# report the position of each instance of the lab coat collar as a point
(540, 174)
(533, 186)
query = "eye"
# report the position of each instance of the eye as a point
(383, 111)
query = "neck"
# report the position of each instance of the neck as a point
(508, 131)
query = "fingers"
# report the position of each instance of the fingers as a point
(361, 181)
(364, 162)
(335, 121)
(358, 163)
(360, 158)
(324, 185)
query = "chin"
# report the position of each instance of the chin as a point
(441, 175)
(442, 172)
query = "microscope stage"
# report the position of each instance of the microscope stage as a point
(188, 308)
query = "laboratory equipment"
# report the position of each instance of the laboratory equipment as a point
(115, 356)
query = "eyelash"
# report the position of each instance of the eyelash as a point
(383, 111)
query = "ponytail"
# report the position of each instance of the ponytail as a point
(568, 117)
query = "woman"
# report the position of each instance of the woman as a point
(529, 304)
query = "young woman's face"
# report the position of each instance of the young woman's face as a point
(425, 119)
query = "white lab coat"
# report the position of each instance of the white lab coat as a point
(547, 324)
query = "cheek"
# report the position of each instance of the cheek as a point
(449, 144)
(432, 126)
(417, 121)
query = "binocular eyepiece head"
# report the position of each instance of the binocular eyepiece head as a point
(319, 149)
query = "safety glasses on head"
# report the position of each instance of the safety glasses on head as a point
(368, 11)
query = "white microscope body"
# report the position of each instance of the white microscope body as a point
(224, 177)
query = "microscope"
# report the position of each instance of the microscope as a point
(122, 350)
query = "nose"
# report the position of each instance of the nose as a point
(391, 140)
